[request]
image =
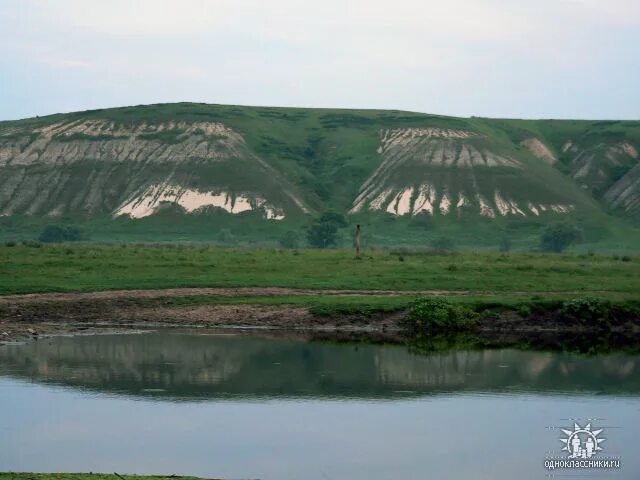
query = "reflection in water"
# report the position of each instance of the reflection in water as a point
(283, 409)
(189, 366)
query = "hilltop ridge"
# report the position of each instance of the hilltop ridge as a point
(180, 170)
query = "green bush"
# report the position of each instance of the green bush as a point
(523, 309)
(428, 315)
(557, 237)
(323, 232)
(586, 310)
(58, 234)
(168, 137)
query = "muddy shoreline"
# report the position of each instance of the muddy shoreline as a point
(32, 317)
(25, 319)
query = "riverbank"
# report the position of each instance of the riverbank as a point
(53, 289)
(381, 316)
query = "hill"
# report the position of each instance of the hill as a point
(249, 174)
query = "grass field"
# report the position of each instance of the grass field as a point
(600, 236)
(85, 267)
(85, 476)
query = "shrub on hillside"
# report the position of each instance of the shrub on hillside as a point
(428, 315)
(557, 237)
(58, 234)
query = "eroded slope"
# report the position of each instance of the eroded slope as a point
(449, 172)
(95, 166)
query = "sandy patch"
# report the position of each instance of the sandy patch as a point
(559, 208)
(404, 203)
(393, 204)
(630, 150)
(376, 204)
(401, 203)
(426, 199)
(501, 204)
(485, 209)
(539, 150)
(445, 204)
(191, 200)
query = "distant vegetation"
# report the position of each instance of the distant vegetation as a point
(557, 237)
(85, 137)
(323, 232)
(170, 137)
(59, 234)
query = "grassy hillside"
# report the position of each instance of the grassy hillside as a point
(229, 174)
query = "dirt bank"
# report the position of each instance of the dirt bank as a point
(219, 292)
(32, 319)
(54, 313)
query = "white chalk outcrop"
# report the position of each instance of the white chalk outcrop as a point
(92, 166)
(539, 150)
(428, 199)
(431, 151)
(191, 200)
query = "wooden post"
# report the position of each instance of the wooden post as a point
(358, 241)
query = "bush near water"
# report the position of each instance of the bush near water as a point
(428, 315)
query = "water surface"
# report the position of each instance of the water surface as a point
(239, 406)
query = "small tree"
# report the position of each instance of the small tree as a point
(557, 237)
(334, 218)
(323, 233)
(57, 234)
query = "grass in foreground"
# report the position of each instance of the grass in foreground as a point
(26, 269)
(86, 476)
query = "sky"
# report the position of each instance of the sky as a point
(491, 58)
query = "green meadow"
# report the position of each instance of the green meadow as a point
(93, 267)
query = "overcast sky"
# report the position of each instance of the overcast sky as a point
(497, 58)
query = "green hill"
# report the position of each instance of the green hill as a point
(249, 174)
